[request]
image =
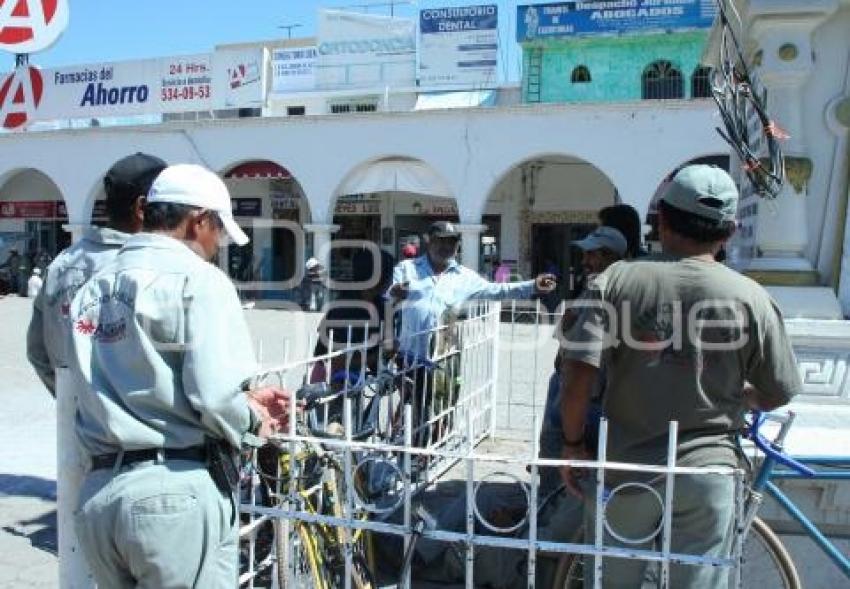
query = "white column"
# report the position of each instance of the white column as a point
(71, 469)
(781, 235)
(321, 241)
(471, 244)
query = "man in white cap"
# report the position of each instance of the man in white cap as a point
(683, 338)
(163, 348)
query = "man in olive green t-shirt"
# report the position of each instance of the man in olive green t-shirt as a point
(683, 339)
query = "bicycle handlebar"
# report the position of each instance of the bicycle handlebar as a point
(770, 449)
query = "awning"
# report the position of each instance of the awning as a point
(260, 169)
(467, 99)
(396, 174)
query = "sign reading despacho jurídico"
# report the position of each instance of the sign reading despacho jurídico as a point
(593, 17)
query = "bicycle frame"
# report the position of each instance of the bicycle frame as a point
(776, 465)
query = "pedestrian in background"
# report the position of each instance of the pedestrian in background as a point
(34, 283)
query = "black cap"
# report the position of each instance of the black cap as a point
(137, 170)
(443, 229)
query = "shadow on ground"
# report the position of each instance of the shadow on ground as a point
(13, 485)
(39, 529)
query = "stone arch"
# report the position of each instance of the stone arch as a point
(401, 194)
(32, 213)
(270, 204)
(541, 203)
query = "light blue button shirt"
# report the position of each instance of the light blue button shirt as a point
(431, 295)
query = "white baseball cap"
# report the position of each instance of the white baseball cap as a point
(196, 186)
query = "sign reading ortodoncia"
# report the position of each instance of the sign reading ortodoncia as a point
(27, 26)
(225, 79)
(459, 46)
(365, 50)
(593, 17)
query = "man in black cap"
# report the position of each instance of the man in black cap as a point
(126, 184)
(49, 335)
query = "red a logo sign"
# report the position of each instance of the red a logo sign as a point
(27, 26)
(20, 95)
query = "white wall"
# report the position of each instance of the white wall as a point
(471, 149)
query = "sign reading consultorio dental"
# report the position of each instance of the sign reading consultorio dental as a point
(458, 46)
(173, 84)
(365, 50)
(565, 19)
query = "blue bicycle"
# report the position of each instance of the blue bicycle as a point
(767, 562)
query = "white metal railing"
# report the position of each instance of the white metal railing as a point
(367, 394)
(368, 496)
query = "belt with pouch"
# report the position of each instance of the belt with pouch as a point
(129, 457)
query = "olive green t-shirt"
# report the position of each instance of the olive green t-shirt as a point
(679, 338)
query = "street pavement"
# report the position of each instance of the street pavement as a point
(27, 426)
(27, 432)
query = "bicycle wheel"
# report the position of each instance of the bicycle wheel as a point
(766, 562)
(308, 568)
(569, 574)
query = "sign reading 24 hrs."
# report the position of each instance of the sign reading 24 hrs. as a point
(27, 26)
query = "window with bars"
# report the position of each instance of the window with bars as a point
(662, 80)
(701, 83)
(580, 75)
(354, 106)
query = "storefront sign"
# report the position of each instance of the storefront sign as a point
(364, 207)
(294, 70)
(226, 79)
(20, 96)
(28, 26)
(247, 207)
(435, 208)
(240, 78)
(284, 203)
(365, 50)
(19, 209)
(564, 19)
(458, 46)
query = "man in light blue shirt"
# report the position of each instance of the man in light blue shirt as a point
(435, 283)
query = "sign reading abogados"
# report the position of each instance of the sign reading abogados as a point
(593, 17)
(27, 26)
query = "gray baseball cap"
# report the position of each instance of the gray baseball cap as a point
(603, 237)
(706, 191)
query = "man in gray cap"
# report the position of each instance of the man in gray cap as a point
(682, 338)
(601, 248)
(160, 341)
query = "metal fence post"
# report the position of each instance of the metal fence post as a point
(74, 572)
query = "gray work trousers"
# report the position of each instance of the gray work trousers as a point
(703, 518)
(158, 526)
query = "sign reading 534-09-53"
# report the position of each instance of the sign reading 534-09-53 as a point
(109, 89)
